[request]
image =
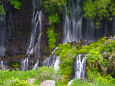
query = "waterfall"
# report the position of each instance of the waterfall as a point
(36, 20)
(35, 39)
(70, 82)
(56, 64)
(2, 34)
(73, 23)
(2, 64)
(80, 69)
(52, 61)
(37, 46)
(24, 64)
(36, 65)
(34, 47)
(49, 61)
(76, 27)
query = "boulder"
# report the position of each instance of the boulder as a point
(48, 83)
(30, 81)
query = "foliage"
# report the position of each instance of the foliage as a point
(52, 38)
(54, 19)
(97, 9)
(109, 46)
(47, 73)
(14, 64)
(53, 6)
(77, 82)
(84, 49)
(67, 57)
(99, 80)
(62, 47)
(93, 56)
(17, 82)
(15, 3)
(6, 76)
(2, 11)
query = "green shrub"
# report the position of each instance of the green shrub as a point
(84, 50)
(109, 46)
(54, 19)
(53, 6)
(15, 3)
(14, 64)
(6, 75)
(98, 9)
(47, 73)
(99, 80)
(67, 57)
(62, 47)
(2, 11)
(93, 56)
(52, 38)
(17, 82)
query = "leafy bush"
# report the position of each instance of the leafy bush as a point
(2, 11)
(109, 46)
(47, 73)
(54, 19)
(67, 57)
(84, 50)
(14, 64)
(53, 6)
(62, 47)
(99, 80)
(93, 56)
(17, 82)
(52, 38)
(6, 75)
(97, 9)
(15, 3)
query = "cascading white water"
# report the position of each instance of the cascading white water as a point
(2, 64)
(34, 45)
(2, 34)
(37, 46)
(70, 82)
(77, 28)
(80, 66)
(24, 64)
(36, 20)
(49, 61)
(36, 65)
(56, 64)
(73, 24)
